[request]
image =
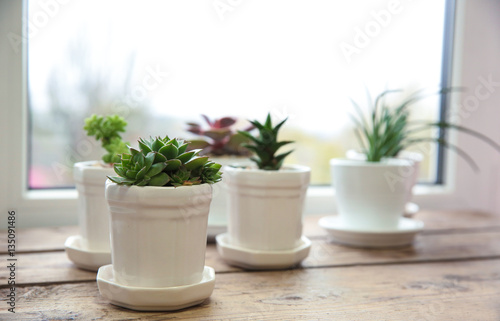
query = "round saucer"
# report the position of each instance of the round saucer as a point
(402, 236)
(154, 299)
(83, 258)
(261, 260)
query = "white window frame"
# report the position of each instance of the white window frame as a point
(463, 189)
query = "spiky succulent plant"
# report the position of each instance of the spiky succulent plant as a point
(266, 144)
(165, 162)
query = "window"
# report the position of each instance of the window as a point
(308, 59)
(179, 59)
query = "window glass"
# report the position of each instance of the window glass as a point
(160, 64)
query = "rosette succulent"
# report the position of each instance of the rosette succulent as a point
(266, 145)
(220, 138)
(165, 162)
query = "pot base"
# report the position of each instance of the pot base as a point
(154, 299)
(83, 258)
(261, 260)
(402, 236)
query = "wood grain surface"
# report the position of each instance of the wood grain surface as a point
(433, 291)
(55, 267)
(451, 272)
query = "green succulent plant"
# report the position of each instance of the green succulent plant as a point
(107, 129)
(266, 144)
(387, 130)
(165, 162)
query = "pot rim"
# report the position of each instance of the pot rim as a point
(90, 164)
(155, 188)
(286, 169)
(387, 162)
(416, 157)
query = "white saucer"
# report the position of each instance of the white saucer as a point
(402, 236)
(411, 209)
(155, 299)
(261, 260)
(83, 258)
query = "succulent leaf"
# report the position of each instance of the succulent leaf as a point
(188, 155)
(149, 159)
(159, 180)
(196, 162)
(142, 173)
(183, 147)
(173, 164)
(159, 157)
(169, 151)
(156, 169)
(144, 148)
(132, 174)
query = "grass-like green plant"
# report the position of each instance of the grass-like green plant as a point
(387, 130)
(165, 162)
(266, 145)
(107, 130)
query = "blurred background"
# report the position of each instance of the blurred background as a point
(160, 64)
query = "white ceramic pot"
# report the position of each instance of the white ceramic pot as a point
(371, 195)
(93, 214)
(158, 234)
(415, 157)
(217, 219)
(265, 207)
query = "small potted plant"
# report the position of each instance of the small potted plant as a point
(220, 139)
(91, 248)
(159, 205)
(224, 144)
(373, 188)
(265, 206)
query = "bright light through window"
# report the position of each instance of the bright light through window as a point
(160, 64)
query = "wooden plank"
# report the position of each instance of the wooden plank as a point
(457, 220)
(426, 247)
(437, 291)
(39, 239)
(435, 222)
(55, 266)
(52, 239)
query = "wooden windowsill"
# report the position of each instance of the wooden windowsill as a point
(450, 272)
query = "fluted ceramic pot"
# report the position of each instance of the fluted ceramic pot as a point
(158, 234)
(265, 207)
(93, 213)
(217, 218)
